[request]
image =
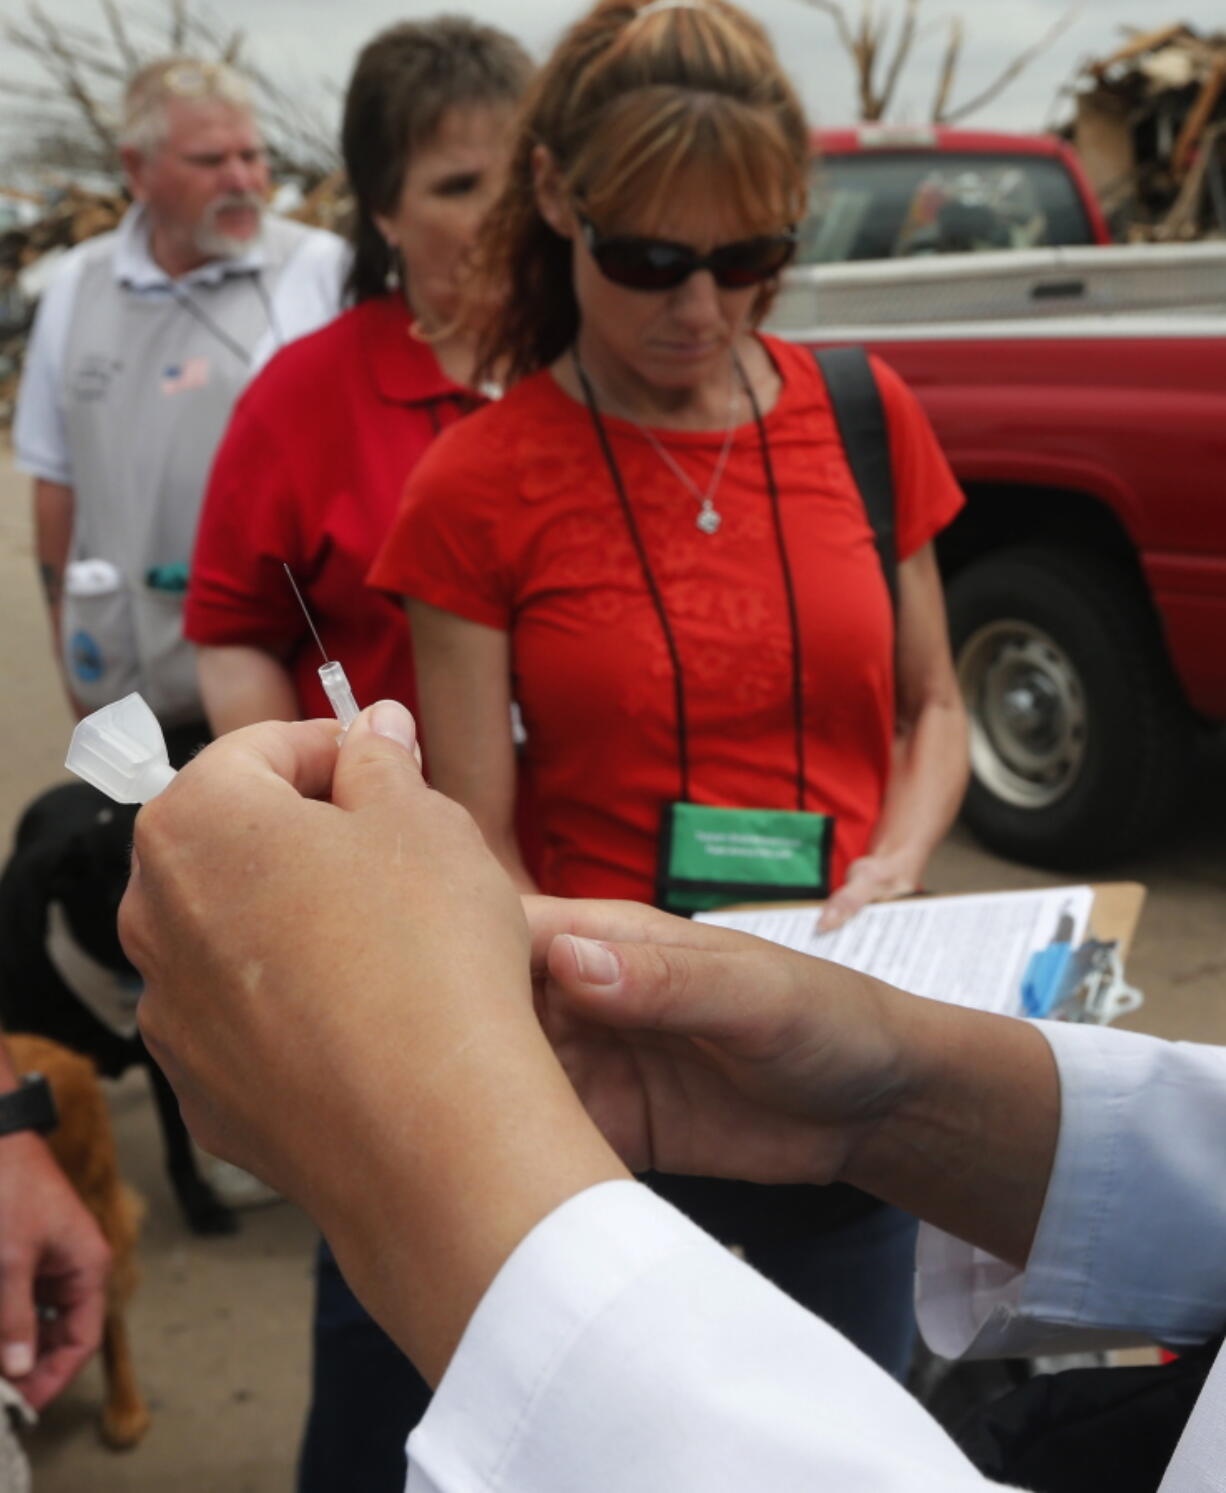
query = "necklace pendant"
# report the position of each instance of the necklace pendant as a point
(709, 520)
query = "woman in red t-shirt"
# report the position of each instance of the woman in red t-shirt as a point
(653, 544)
(309, 474)
(314, 461)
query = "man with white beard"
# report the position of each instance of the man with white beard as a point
(142, 343)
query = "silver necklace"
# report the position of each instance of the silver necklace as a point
(708, 518)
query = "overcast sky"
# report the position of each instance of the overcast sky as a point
(305, 40)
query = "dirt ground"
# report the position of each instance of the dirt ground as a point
(221, 1326)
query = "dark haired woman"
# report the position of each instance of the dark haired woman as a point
(654, 540)
(316, 455)
(309, 474)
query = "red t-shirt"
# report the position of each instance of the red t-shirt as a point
(310, 473)
(514, 522)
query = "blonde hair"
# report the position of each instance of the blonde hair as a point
(149, 91)
(633, 97)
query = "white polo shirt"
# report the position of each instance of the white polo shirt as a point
(129, 383)
(305, 295)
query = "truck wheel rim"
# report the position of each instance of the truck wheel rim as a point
(1027, 712)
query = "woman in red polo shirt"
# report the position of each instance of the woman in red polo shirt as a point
(309, 474)
(654, 544)
(316, 455)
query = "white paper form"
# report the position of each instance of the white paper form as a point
(970, 951)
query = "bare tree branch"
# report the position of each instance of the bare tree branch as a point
(206, 34)
(902, 52)
(949, 69)
(65, 64)
(839, 16)
(86, 71)
(85, 56)
(119, 33)
(11, 88)
(178, 25)
(867, 50)
(1019, 64)
(866, 43)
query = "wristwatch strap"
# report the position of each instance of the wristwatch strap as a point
(31, 1106)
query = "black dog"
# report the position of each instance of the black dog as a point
(71, 849)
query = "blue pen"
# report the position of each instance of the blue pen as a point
(1043, 984)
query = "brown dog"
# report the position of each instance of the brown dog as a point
(85, 1148)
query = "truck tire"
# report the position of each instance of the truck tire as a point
(1080, 736)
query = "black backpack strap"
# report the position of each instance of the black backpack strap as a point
(860, 416)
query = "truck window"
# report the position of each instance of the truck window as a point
(884, 205)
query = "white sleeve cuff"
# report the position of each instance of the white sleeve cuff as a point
(1131, 1244)
(42, 465)
(622, 1350)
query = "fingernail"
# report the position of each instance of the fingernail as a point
(598, 964)
(17, 1359)
(389, 718)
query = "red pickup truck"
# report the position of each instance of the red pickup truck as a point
(888, 191)
(1080, 395)
(1086, 579)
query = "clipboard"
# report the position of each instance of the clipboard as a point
(1117, 911)
(1077, 978)
(1101, 994)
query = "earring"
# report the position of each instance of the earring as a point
(394, 278)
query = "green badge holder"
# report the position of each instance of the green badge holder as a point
(710, 857)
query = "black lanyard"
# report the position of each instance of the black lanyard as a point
(189, 304)
(772, 487)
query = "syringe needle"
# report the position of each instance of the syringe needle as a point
(305, 613)
(331, 675)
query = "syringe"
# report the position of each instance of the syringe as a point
(121, 751)
(340, 696)
(331, 674)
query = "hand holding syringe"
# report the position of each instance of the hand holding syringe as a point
(120, 749)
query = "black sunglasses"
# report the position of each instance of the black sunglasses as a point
(655, 264)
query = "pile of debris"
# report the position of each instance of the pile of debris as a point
(1150, 126)
(68, 217)
(328, 204)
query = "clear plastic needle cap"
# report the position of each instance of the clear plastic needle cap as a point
(340, 696)
(120, 751)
